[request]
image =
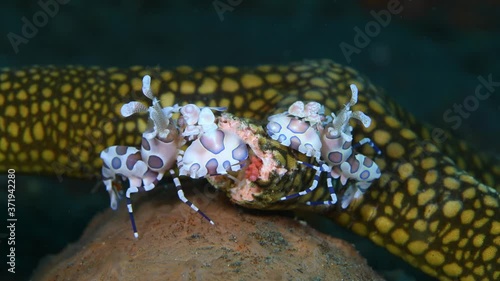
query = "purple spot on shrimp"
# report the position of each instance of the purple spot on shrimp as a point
(273, 128)
(309, 146)
(364, 175)
(145, 144)
(155, 162)
(354, 165)
(132, 159)
(298, 126)
(116, 163)
(281, 138)
(213, 142)
(368, 162)
(121, 150)
(295, 142)
(240, 153)
(195, 167)
(346, 145)
(211, 166)
(335, 157)
(226, 165)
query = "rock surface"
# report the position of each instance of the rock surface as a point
(175, 243)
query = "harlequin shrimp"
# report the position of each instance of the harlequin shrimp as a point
(297, 127)
(302, 128)
(214, 151)
(159, 152)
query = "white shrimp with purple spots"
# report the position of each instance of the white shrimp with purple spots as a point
(160, 149)
(121, 161)
(296, 128)
(338, 159)
(214, 151)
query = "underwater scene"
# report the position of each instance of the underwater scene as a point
(250, 140)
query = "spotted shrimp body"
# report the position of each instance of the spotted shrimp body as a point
(121, 161)
(296, 128)
(339, 159)
(159, 152)
(214, 151)
(338, 152)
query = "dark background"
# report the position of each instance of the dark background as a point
(428, 58)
